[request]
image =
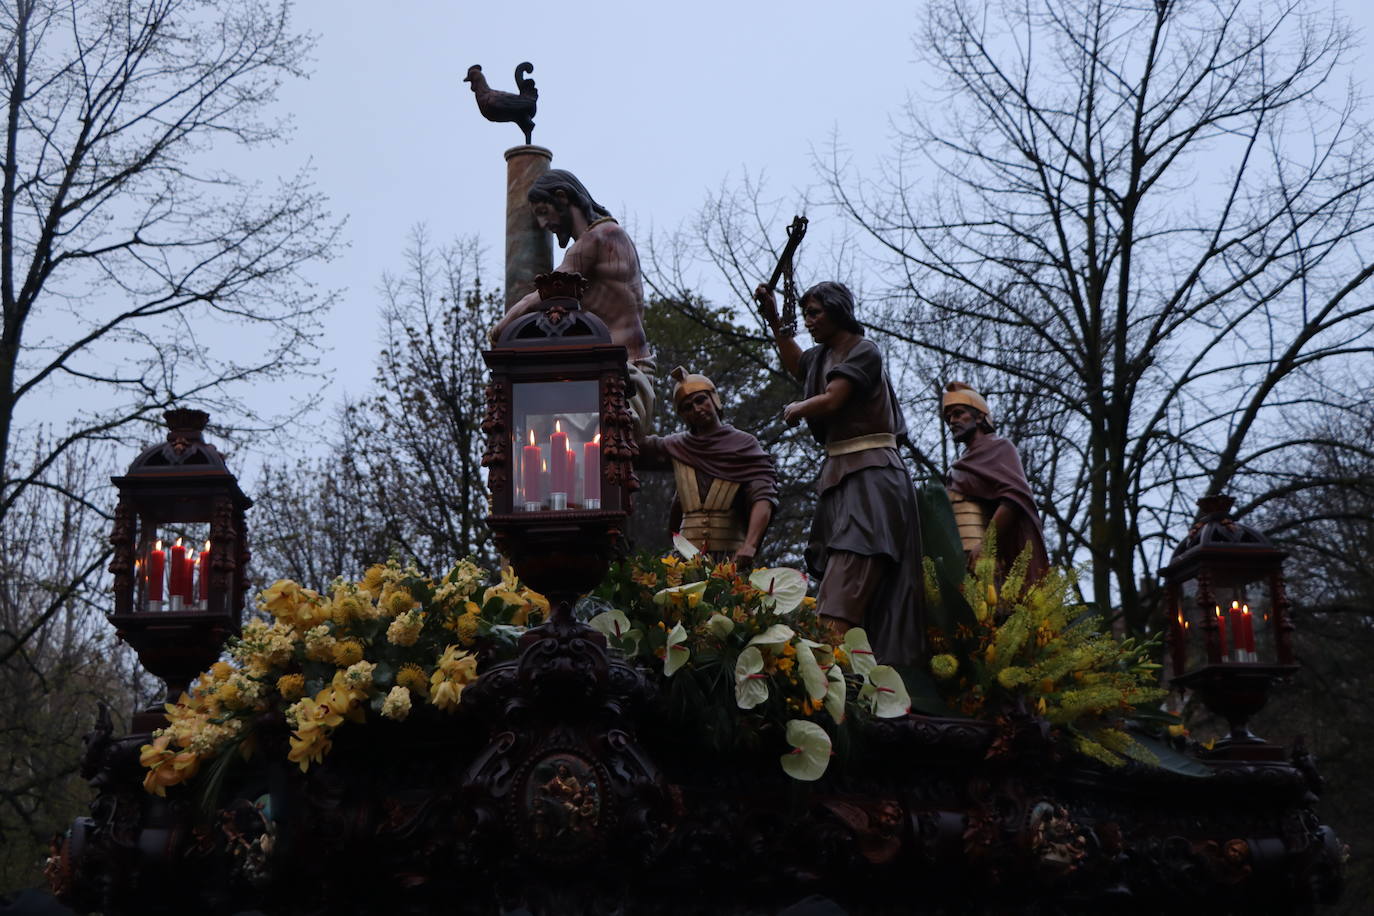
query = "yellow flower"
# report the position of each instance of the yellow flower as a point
(943, 667)
(309, 748)
(785, 664)
(413, 678)
(373, 578)
(405, 629)
(280, 598)
(221, 670)
(466, 628)
(398, 602)
(291, 686)
(348, 652)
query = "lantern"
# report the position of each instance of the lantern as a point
(560, 443)
(180, 550)
(1230, 636)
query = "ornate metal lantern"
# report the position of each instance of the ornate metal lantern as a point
(1230, 636)
(560, 443)
(180, 550)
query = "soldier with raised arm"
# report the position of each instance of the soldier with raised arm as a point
(865, 539)
(602, 252)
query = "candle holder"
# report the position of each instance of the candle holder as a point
(176, 603)
(1229, 631)
(560, 444)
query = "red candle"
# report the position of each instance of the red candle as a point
(1237, 631)
(1248, 625)
(188, 577)
(1221, 631)
(591, 469)
(571, 475)
(205, 573)
(157, 562)
(558, 470)
(531, 456)
(174, 575)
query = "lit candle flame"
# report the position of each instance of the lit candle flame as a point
(531, 435)
(158, 545)
(178, 542)
(558, 426)
(597, 438)
(207, 545)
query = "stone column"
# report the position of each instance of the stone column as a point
(529, 249)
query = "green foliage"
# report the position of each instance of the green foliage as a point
(1033, 648)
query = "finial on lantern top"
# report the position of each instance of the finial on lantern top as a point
(1218, 504)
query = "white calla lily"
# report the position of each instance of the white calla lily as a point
(886, 693)
(677, 653)
(783, 588)
(688, 593)
(751, 684)
(612, 624)
(776, 635)
(685, 547)
(812, 675)
(834, 694)
(861, 658)
(720, 626)
(810, 754)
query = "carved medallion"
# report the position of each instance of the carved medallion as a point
(561, 808)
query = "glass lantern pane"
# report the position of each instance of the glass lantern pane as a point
(557, 428)
(172, 566)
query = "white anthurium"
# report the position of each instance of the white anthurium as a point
(687, 591)
(783, 588)
(685, 547)
(834, 694)
(810, 754)
(824, 652)
(677, 652)
(751, 684)
(886, 692)
(812, 675)
(776, 635)
(861, 658)
(612, 624)
(720, 626)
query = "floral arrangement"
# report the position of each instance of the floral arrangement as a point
(397, 639)
(720, 639)
(1031, 647)
(375, 647)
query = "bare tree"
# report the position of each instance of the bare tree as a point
(135, 274)
(58, 658)
(1151, 223)
(124, 252)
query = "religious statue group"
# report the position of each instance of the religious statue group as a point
(864, 545)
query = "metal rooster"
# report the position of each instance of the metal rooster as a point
(496, 105)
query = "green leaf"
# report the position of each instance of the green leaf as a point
(1172, 760)
(940, 542)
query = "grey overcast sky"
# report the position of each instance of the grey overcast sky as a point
(652, 105)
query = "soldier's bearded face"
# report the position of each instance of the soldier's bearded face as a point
(962, 422)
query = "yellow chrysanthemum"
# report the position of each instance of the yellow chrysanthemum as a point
(413, 678)
(348, 652)
(291, 686)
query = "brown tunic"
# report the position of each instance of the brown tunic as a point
(867, 506)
